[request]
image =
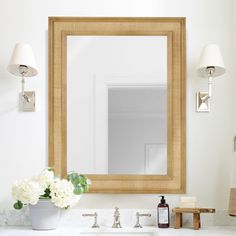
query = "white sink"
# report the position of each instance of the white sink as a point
(127, 231)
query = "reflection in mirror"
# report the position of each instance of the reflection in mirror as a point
(117, 105)
(137, 142)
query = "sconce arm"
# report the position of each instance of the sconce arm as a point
(23, 69)
(209, 94)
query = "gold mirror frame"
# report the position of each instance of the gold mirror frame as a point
(174, 29)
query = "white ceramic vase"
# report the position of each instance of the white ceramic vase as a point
(44, 215)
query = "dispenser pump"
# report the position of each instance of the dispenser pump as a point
(163, 200)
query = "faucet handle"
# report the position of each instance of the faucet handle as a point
(116, 223)
(116, 213)
(138, 225)
(95, 224)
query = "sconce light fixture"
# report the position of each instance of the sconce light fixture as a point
(211, 65)
(22, 63)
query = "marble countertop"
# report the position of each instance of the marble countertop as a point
(103, 231)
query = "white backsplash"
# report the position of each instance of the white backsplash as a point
(73, 217)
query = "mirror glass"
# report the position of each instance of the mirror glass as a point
(117, 105)
(137, 130)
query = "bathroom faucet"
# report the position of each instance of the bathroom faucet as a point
(116, 223)
(95, 215)
(138, 225)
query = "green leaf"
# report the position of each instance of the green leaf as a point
(78, 190)
(47, 193)
(18, 205)
(86, 188)
(79, 182)
(51, 169)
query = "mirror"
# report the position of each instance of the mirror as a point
(117, 102)
(118, 82)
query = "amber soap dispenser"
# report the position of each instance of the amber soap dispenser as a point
(163, 217)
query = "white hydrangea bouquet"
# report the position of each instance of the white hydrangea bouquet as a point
(63, 193)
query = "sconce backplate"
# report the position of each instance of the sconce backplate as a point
(28, 106)
(201, 105)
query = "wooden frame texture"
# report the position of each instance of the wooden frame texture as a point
(174, 29)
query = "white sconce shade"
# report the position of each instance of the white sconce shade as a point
(211, 57)
(23, 56)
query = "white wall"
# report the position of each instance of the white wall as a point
(23, 136)
(233, 163)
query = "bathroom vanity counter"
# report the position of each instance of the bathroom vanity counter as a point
(146, 231)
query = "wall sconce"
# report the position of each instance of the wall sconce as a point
(211, 65)
(23, 64)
